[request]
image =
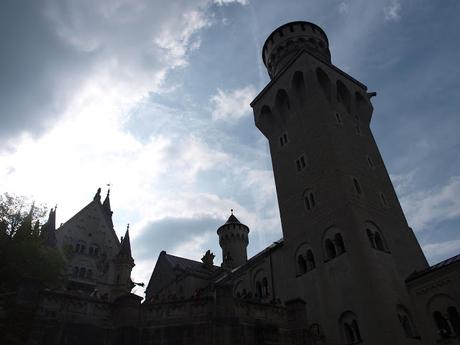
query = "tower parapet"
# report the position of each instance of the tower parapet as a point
(287, 40)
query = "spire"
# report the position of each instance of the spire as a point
(97, 196)
(125, 249)
(232, 219)
(106, 203)
(48, 232)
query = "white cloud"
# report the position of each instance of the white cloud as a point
(232, 105)
(442, 250)
(428, 208)
(392, 11)
(228, 2)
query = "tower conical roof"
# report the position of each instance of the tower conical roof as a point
(232, 220)
(125, 248)
(106, 203)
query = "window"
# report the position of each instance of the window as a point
(265, 287)
(330, 249)
(77, 248)
(442, 325)
(384, 200)
(75, 271)
(82, 272)
(406, 322)
(258, 289)
(350, 329)
(309, 200)
(370, 162)
(301, 163)
(375, 237)
(338, 118)
(89, 273)
(454, 318)
(357, 186)
(301, 264)
(283, 139)
(310, 260)
(357, 126)
(339, 245)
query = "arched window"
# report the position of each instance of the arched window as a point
(282, 102)
(330, 249)
(298, 86)
(379, 242)
(442, 325)
(89, 273)
(340, 246)
(406, 322)
(338, 118)
(454, 318)
(258, 289)
(77, 248)
(325, 83)
(82, 272)
(301, 264)
(265, 287)
(343, 95)
(370, 235)
(310, 260)
(349, 328)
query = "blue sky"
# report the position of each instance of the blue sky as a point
(153, 98)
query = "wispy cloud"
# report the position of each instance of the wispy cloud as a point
(427, 208)
(231, 105)
(392, 11)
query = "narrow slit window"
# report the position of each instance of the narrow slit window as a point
(357, 186)
(384, 200)
(338, 118)
(370, 162)
(301, 163)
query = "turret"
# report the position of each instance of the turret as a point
(48, 230)
(288, 40)
(123, 263)
(233, 239)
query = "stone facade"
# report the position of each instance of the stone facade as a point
(347, 270)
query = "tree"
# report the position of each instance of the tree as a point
(23, 253)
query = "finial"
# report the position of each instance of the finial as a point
(108, 190)
(231, 210)
(55, 208)
(127, 228)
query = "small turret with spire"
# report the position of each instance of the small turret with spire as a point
(48, 231)
(124, 264)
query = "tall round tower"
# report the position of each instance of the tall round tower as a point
(289, 39)
(233, 239)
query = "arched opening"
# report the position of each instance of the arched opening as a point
(338, 240)
(370, 236)
(265, 120)
(349, 328)
(330, 249)
(324, 82)
(282, 103)
(258, 289)
(343, 95)
(298, 86)
(379, 241)
(406, 322)
(442, 325)
(82, 272)
(265, 287)
(310, 260)
(454, 318)
(301, 264)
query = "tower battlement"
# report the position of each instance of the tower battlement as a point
(288, 40)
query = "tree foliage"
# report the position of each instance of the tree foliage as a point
(23, 256)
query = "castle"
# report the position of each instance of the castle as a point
(347, 270)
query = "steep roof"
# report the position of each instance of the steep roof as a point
(165, 271)
(125, 249)
(232, 220)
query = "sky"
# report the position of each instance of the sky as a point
(152, 97)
